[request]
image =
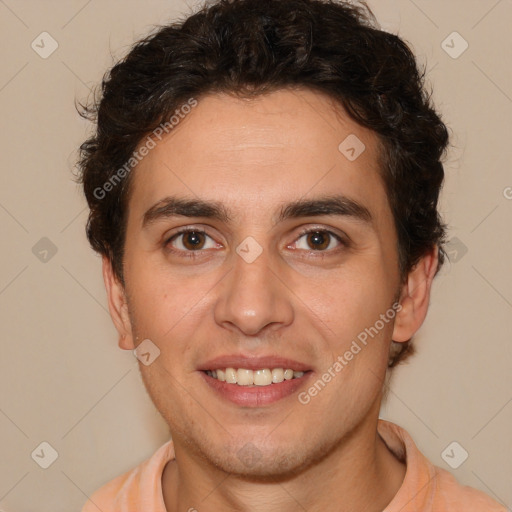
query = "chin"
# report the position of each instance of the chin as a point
(265, 462)
(262, 467)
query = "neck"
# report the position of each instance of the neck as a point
(359, 474)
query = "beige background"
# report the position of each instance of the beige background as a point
(63, 379)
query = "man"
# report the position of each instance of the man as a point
(263, 185)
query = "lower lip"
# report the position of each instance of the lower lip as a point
(255, 396)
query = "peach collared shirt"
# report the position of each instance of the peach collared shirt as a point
(425, 488)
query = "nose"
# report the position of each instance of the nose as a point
(254, 297)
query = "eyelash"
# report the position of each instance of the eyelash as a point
(193, 254)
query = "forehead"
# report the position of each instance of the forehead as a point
(254, 154)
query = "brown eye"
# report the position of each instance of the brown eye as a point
(189, 240)
(193, 240)
(318, 240)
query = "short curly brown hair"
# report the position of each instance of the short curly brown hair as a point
(250, 47)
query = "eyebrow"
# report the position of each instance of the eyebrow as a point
(334, 205)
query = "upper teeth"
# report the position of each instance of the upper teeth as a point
(244, 377)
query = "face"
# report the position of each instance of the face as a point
(289, 253)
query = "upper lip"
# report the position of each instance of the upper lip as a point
(252, 363)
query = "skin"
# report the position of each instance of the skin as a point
(254, 156)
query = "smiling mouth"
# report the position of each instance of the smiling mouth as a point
(247, 377)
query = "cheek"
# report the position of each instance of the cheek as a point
(353, 296)
(165, 308)
(349, 309)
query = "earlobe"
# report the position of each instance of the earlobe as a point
(118, 306)
(415, 296)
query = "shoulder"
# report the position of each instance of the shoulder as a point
(427, 487)
(449, 493)
(141, 484)
(105, 498)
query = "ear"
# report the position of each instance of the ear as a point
(415, 296)
(118, 306)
